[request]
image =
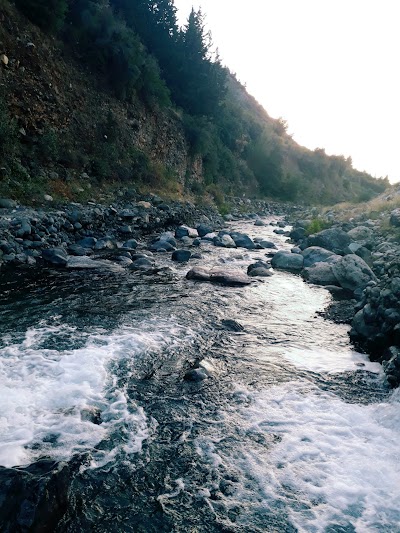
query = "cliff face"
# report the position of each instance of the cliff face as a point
(54, 101)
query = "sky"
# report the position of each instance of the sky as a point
(329, 67)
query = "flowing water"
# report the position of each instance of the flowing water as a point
(293, 431)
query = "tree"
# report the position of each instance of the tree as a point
(48, 14)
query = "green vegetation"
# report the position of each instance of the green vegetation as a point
(139, 54)
(316, 225)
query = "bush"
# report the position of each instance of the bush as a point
(48, 14)
(317, 225)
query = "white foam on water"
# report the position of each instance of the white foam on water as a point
(328, 462)
(331, 361)
(43, 392)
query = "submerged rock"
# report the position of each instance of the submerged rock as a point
(55, 256)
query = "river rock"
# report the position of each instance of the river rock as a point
(87, 242)
(229, 278)
(243, 241)
(268, 244)
(199, 274)
(181, 256)
(352, 272)
(105, 244)
(203, 229)
(316, 254)
(320, 274)
(227, 242)
(394, 218)
(287, 261)
(7, 203)
(334, 239)
(131, 244)
(185, 231)
(260, 272)
(259, 222)
(392, 365)
(77, 250)
(55, 256)
(164, 246)
(143, 263)
(360, 233)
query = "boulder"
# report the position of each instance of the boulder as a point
(227, 242)
(260, 272)
(185, 231)
(203, 229)
(392, 366)
(259, 222)
(334, 239)
(142, 264)
(243, 241)
(267, 244)
(287, 261)
(131, 244)
(320, 274)
(87, 242)
(316, 254)
(55, 256)
(395, 218)
(6, 203)
(77, 250)
(352, 272)
(360, 233)
(181, 256)
(229, 278)
(105, 244)
(198, 274)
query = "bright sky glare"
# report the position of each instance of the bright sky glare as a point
(328, 67)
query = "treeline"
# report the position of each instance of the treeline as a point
(141, 53)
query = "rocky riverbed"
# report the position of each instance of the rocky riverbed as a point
(352, 259)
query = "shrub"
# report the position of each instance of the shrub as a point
(48, 14)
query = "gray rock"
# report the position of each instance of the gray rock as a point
(260, 272)
(88, 263)
(203, 229)
(243, 241)
(231, 279)
(185, 231)
(131, 244)
(360, 233)
(352, 272)
(181, 256)
(77, 250)
(55, 256)
(87, 242)
(287, 261)
(142, 264)
(268, 244)
(227, 242)
(392, 365)
(394, 217)
(316, 254)
(105, 244)
(334, 239)
(259, 222)
(320, 274)
(162, 245)
(199, 274)
(7, 203)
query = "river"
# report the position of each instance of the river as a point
(99, 431)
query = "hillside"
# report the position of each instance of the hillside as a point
(99, 104)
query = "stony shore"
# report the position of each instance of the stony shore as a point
(353, 260)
